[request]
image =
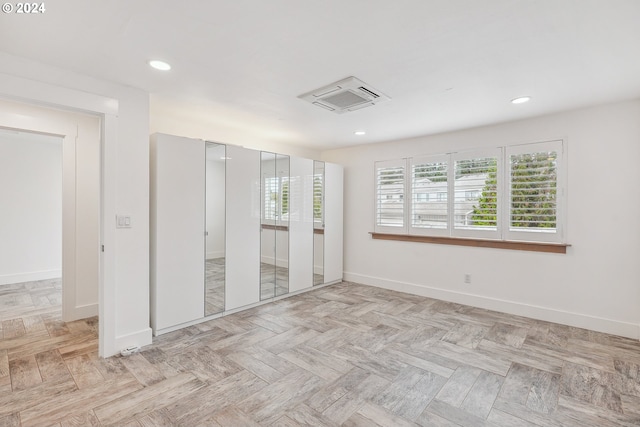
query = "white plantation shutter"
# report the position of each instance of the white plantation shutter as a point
(508, 193)
(534, 192)
(429, 191)
(270, 201)
(476, 193)
(390, 196)
(318, 197)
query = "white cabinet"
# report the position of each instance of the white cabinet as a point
(190, 281)
(301, 224)
(243, 228)
(177, 208)
(333, 223)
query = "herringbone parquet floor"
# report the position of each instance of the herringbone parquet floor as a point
(345, 354)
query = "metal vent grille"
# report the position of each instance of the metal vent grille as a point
(346, 95)
(345, 99)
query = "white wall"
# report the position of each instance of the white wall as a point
(318, 253)
(206, 126)
(278, 239)
(595, 285)
(31, 214)
(128, 320)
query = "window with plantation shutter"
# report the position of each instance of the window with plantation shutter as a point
(476, 198)
(511, 193)
(429, 202)
(318, 195)
(276, 198)
(270, 205)
(390, 195)
(533, 195)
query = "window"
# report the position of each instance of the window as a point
(476, 173)
(429, 175)
(270, 198)
(508, 193)
(318, 195)
(390, 190)
(534, 199)
(276, 198)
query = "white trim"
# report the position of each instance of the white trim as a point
(421, 160)
(46, 94)
(134, 339)
(599, 324)
(276, 262)
(477, 232)
(396, 163)
(21, 89)
(31, 276)
(83, 311)
(187, 324)
(107, 286)
(214, 255)
(538, 235)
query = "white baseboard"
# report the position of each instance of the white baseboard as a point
(81, 312)
(215, 254)
(134, 339)
(30, 277)
(599, 324)
(271, 260)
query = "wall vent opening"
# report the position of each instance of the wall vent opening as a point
(346, 95)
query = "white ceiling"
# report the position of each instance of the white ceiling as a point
(446, 64)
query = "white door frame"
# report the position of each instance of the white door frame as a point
(48, 95)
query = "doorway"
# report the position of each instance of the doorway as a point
(79, 258)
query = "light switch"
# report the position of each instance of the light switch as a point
(123, 221)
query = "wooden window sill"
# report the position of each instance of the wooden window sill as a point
(557, 248)
(275, 227)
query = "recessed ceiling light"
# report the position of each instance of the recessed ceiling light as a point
(521, 100)
(225, 158)
(160, 65)
(359, 132)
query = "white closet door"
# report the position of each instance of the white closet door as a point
(177, 230)
(333, 223)
(243, 228)
(300, 224)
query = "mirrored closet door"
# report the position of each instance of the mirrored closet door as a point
(282, 225)
(215, 228)
(318, 222)
(274, 235)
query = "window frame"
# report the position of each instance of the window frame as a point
(479, 233)
(411, 162)
(537, 235)
(503, 231)
(391, 164)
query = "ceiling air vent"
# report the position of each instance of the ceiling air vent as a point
(346, 95)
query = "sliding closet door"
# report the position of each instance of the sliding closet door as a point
(243, 228)
(177, 230)
(333, 223)
(301, 224)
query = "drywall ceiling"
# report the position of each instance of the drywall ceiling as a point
(445, 64)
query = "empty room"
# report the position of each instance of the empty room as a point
(336, 213)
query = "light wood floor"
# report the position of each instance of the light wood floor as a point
(345, 354)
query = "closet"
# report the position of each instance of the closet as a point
(232, 228)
